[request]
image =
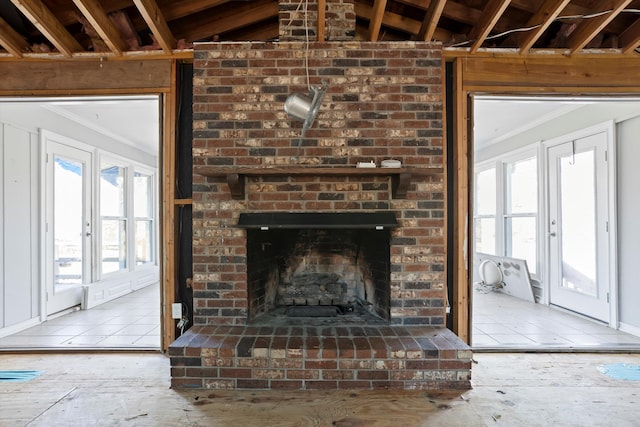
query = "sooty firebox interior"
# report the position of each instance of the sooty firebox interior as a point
(318, 268)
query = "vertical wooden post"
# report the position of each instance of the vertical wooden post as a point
(461, 225)
(322, 6)
(168, 161)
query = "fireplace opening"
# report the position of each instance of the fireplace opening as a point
(319, 269)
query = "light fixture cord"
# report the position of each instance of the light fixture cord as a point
(306, 55)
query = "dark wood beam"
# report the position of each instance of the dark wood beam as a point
(630, 38)
(431, 19)
(48, 25)
(591, 27)
(157, 23)
(543, 17)
(399, 22)
(203, 26)
(11, 40)
(490, 16)
(376, 19)
(97, 17)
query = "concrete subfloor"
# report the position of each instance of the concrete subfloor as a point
(132, 389)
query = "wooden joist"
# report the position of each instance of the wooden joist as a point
(11, 40)
(97, 17)
(49, 25)
(543, 17)
(590, 28)
(155, 20)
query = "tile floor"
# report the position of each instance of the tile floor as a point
(500, 321)
(131, 321)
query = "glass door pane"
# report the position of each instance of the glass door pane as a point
(578, 222)
(68, 222)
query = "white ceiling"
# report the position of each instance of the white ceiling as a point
(496, 119)
(131, 120)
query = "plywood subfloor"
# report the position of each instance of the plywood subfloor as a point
(126, 389)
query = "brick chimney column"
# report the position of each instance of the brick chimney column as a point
(340, 20)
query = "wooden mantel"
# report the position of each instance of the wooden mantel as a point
(400, 177)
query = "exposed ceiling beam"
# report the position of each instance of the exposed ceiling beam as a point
(543, 17)
(48, 25)
(97, 17)
(181, 8)
(203, 26)
(452, 10)
(322, 7)
(590, 28)
(155, 20)
(376, 19)
(399, 22)
(11, 40)
(630, 38)
(490, 16)
(431, 18)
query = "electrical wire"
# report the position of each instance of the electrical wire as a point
(533, 27)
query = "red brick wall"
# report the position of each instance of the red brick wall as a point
(384, 101)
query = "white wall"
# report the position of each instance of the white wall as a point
(626, 115)
(629, 222)
(19, 293)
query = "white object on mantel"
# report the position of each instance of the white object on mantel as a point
(391, 163)
(370, 164)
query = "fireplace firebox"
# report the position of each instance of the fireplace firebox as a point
(318, 268)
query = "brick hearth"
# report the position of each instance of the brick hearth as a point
(384, 101)
(307, 357)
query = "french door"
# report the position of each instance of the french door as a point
(68, 224)
(578, 223)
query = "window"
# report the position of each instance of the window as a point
(521, 211)
(506, 207)
(485, 211)
(113, 218)
(143, 213)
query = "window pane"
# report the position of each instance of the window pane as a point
(485, 232)
(143, 242)
(114, 245)
(520, 235)
(112, 185)
(521, 179)
(142, 195)
(486, 192)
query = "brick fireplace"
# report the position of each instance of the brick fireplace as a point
(286, 295)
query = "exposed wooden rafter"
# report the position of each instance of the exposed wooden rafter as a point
(591, 27)
(393, 20)
(431, 19)
(48, 25)
(207, 25)
(630, 39)
(541, 20)
(375, 22)
(11, 40)
(97, 17)
(492, 12)
(157, 23)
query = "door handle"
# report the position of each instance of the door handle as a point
(552, 234)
